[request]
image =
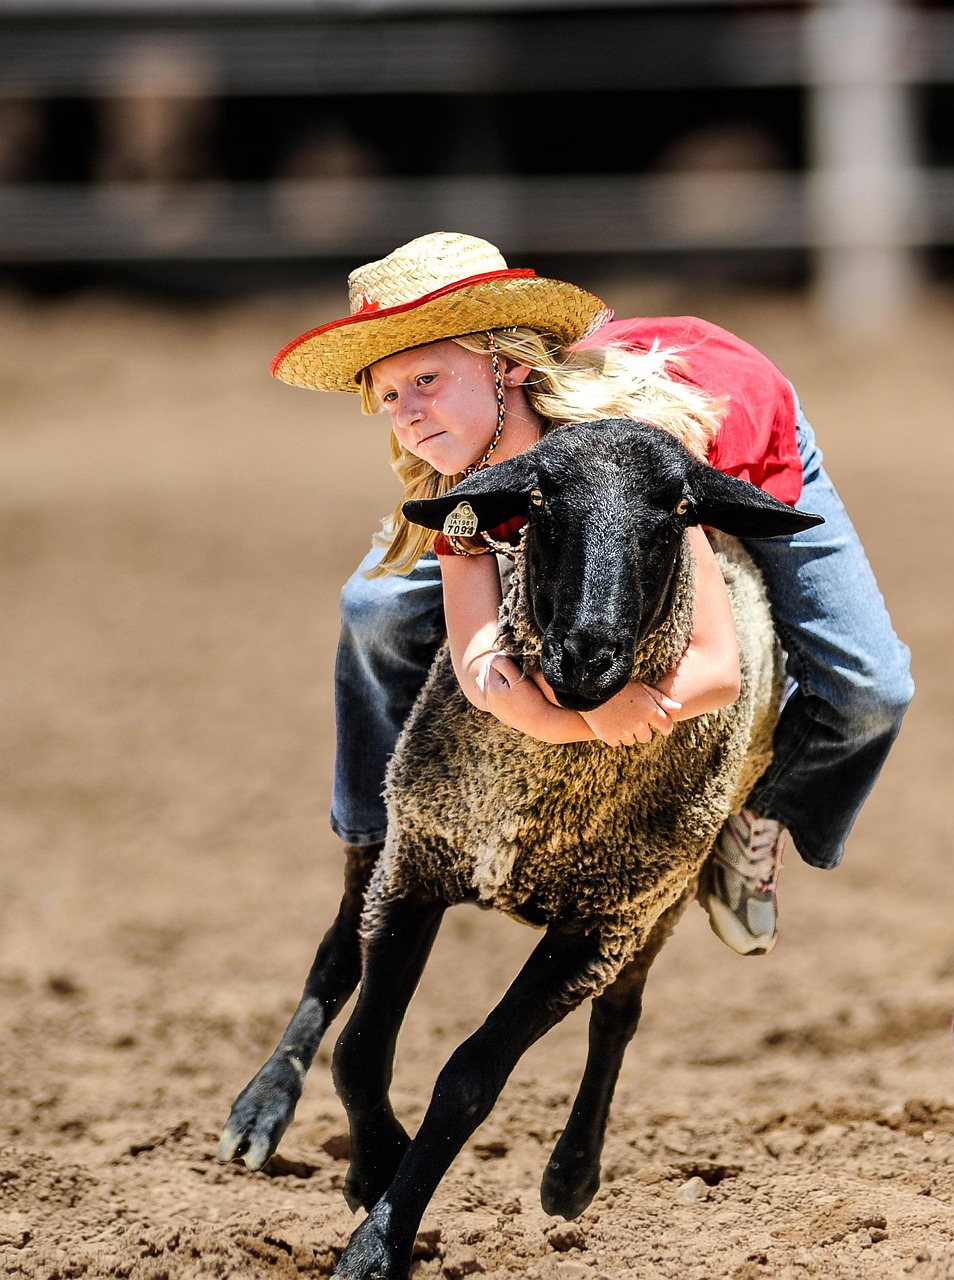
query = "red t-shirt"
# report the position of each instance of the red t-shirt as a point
(756, 440)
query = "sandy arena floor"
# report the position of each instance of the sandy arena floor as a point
(175, 530)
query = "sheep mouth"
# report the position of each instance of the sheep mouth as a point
(585, 673)
(576, 699)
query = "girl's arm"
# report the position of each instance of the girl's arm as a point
(490, 680)
(707, 676)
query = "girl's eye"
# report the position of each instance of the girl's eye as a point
(426, 379)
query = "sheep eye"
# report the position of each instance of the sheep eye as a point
(536, 498)
(681, 507)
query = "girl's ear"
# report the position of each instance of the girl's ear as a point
(515, 374)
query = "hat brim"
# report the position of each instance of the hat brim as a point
(331, 357)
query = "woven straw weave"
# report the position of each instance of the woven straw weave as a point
(420, 267)
(392, 309)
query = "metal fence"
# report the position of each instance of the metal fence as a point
(862, 205)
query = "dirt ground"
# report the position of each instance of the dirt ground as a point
(175, 529)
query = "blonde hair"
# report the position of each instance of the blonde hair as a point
(565, 385)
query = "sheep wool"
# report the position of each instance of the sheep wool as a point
(615, 836)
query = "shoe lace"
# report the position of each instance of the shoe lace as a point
(760, 857)
(765, 852)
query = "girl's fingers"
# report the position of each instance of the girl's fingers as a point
(663, 725)
(498, 675)
(507, 669)
(488, 679)
(662, 700)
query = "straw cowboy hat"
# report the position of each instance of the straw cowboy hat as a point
(438, 286)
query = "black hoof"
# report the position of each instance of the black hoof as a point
(566, 1191)
(373, 1253)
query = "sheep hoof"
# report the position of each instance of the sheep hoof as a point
(353, 1194)
(361, 1190)
(375, 1156)
(567, 1190)
(371, 1255)
(261, 1114)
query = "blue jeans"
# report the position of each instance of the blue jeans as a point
(851, 672)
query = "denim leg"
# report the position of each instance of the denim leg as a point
(391, 628)
(852, 673)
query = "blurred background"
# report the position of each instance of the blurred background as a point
(213, 146)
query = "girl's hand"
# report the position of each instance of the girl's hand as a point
(633, 716)
(497, 675)
(518, 703)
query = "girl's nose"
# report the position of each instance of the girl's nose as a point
(408, 414)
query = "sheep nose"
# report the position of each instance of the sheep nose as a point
(587, 657)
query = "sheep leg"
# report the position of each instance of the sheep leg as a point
(264, 1109)
(560, 974)
(572, 1176)
(396, 952)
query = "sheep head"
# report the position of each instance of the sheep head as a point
(607, 504)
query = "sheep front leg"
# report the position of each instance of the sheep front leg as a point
(558, 976)
(264, 1109)
(395, 955)
(572, 1176)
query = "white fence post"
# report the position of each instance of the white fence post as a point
(863, 177)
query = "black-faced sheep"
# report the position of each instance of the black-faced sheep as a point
(599, 846)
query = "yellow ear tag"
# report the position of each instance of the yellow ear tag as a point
(462, 522)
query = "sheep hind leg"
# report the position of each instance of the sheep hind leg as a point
(559, 975)
(266, 1106)
(572, 1176)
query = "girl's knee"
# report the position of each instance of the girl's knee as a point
(897, 695)
(897, 684)
(879, 707)
(391, 614)
(859, 706)
(363, 603)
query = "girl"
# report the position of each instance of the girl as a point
(441, 399)
(472, 362)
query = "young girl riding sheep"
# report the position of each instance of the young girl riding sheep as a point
(472, 362)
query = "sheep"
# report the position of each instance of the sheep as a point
(600, 847)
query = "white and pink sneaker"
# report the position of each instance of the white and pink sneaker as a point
(737, 885)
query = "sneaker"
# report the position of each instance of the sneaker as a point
(737, 885)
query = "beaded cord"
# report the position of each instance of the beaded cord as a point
(501, 410)
(502, 548)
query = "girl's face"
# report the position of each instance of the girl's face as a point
(441, 401)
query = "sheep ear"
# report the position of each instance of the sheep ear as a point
(737, 507)
(491, 497)
(466, 516)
